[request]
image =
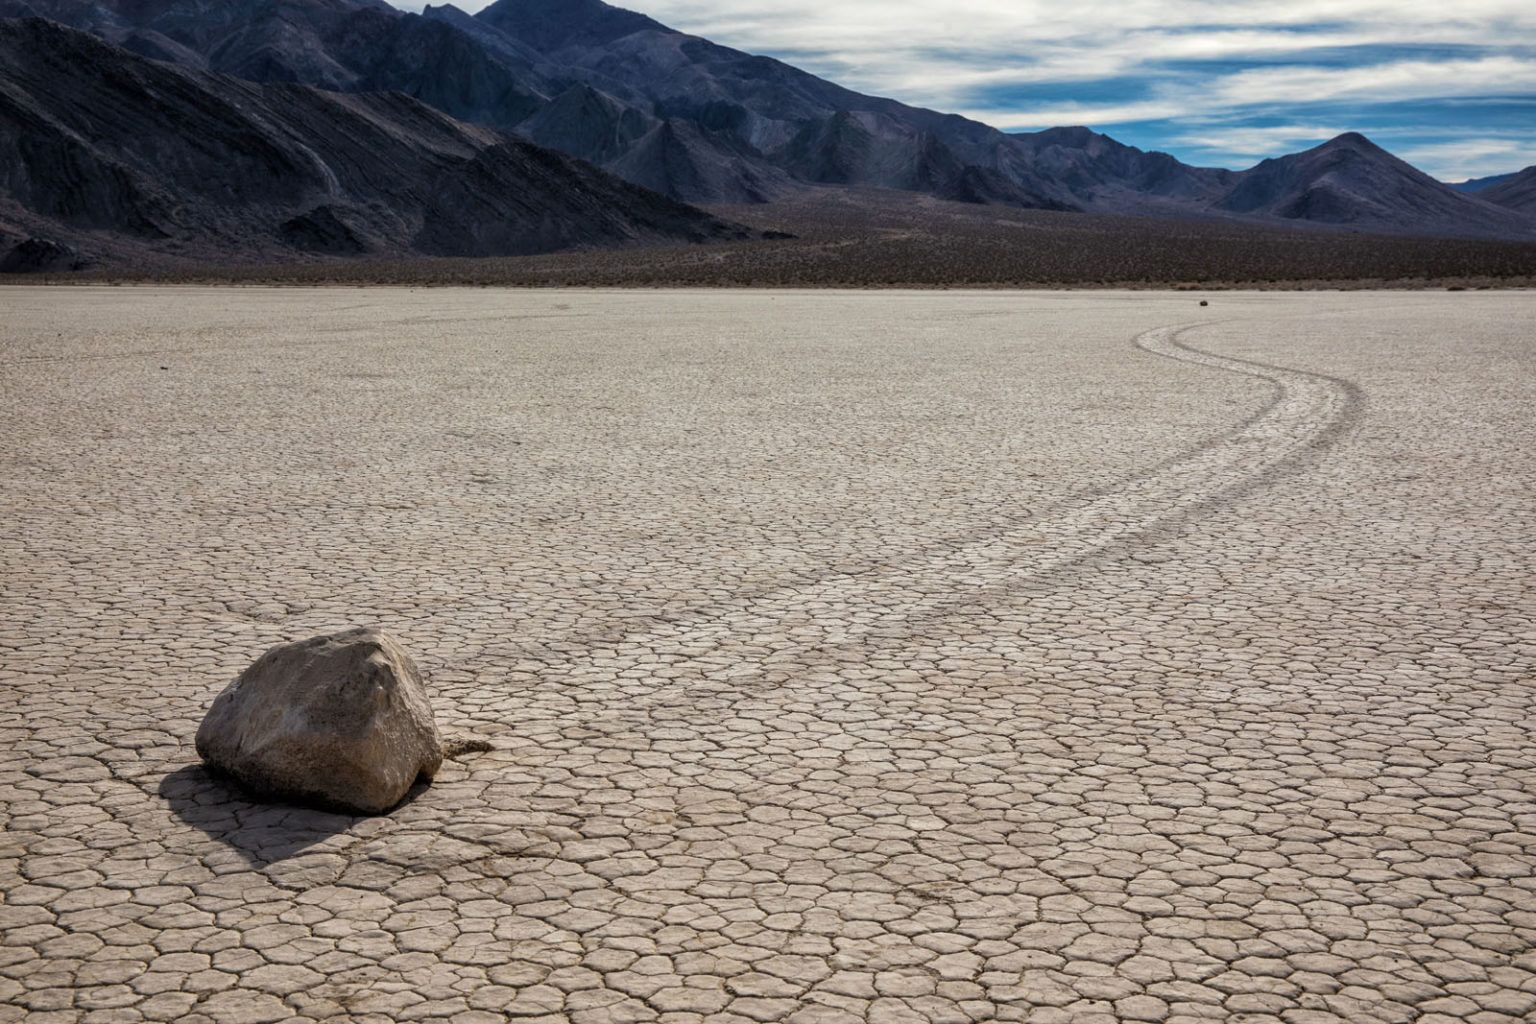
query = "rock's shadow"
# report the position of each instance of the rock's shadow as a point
(261, 833)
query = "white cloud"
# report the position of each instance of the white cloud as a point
(1057, 114)
(936, 46)
(1464, 158)
(1393, 81)
(1242, 145)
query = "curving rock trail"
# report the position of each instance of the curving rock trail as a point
(840, 609)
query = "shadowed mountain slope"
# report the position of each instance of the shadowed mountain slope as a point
(734, 114)
(107, 145)
(588, 124)
(1472, 186)
(1110, 175)
(759, 112)
(1352, 181)
(346, 45)
(679, 158)
(1518, 192)
(706, 123)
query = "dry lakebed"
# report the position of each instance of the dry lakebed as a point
(843, 658)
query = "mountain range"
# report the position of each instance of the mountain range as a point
(149, 155)
(1472, 186)
(1516, 191)
(469, 112)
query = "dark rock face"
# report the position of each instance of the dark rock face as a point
(167, 156)
(323, 229)
(559, 203)
(339, 721)
(834, 151)
(680, 159)
(588, 124)
(40, 256)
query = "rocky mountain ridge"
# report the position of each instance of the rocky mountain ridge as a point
(131, 154)
(705, 123)
(1517, 192)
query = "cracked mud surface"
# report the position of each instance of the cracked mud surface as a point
(845, 658)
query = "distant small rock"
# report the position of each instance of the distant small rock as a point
(339, 721)
(1204, 303)
(40, 256)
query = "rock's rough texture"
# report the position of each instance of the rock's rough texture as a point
(339, 720)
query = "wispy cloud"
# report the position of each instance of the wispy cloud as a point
(1233, 79)
(1258, 141)
(1463, 158)
(1394, 81)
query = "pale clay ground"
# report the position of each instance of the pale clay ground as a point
(847, 657)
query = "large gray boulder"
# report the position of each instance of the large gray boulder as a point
(341, 721)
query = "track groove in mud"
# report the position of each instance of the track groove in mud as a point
(841, 609)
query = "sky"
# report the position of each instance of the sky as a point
(1449, 85)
